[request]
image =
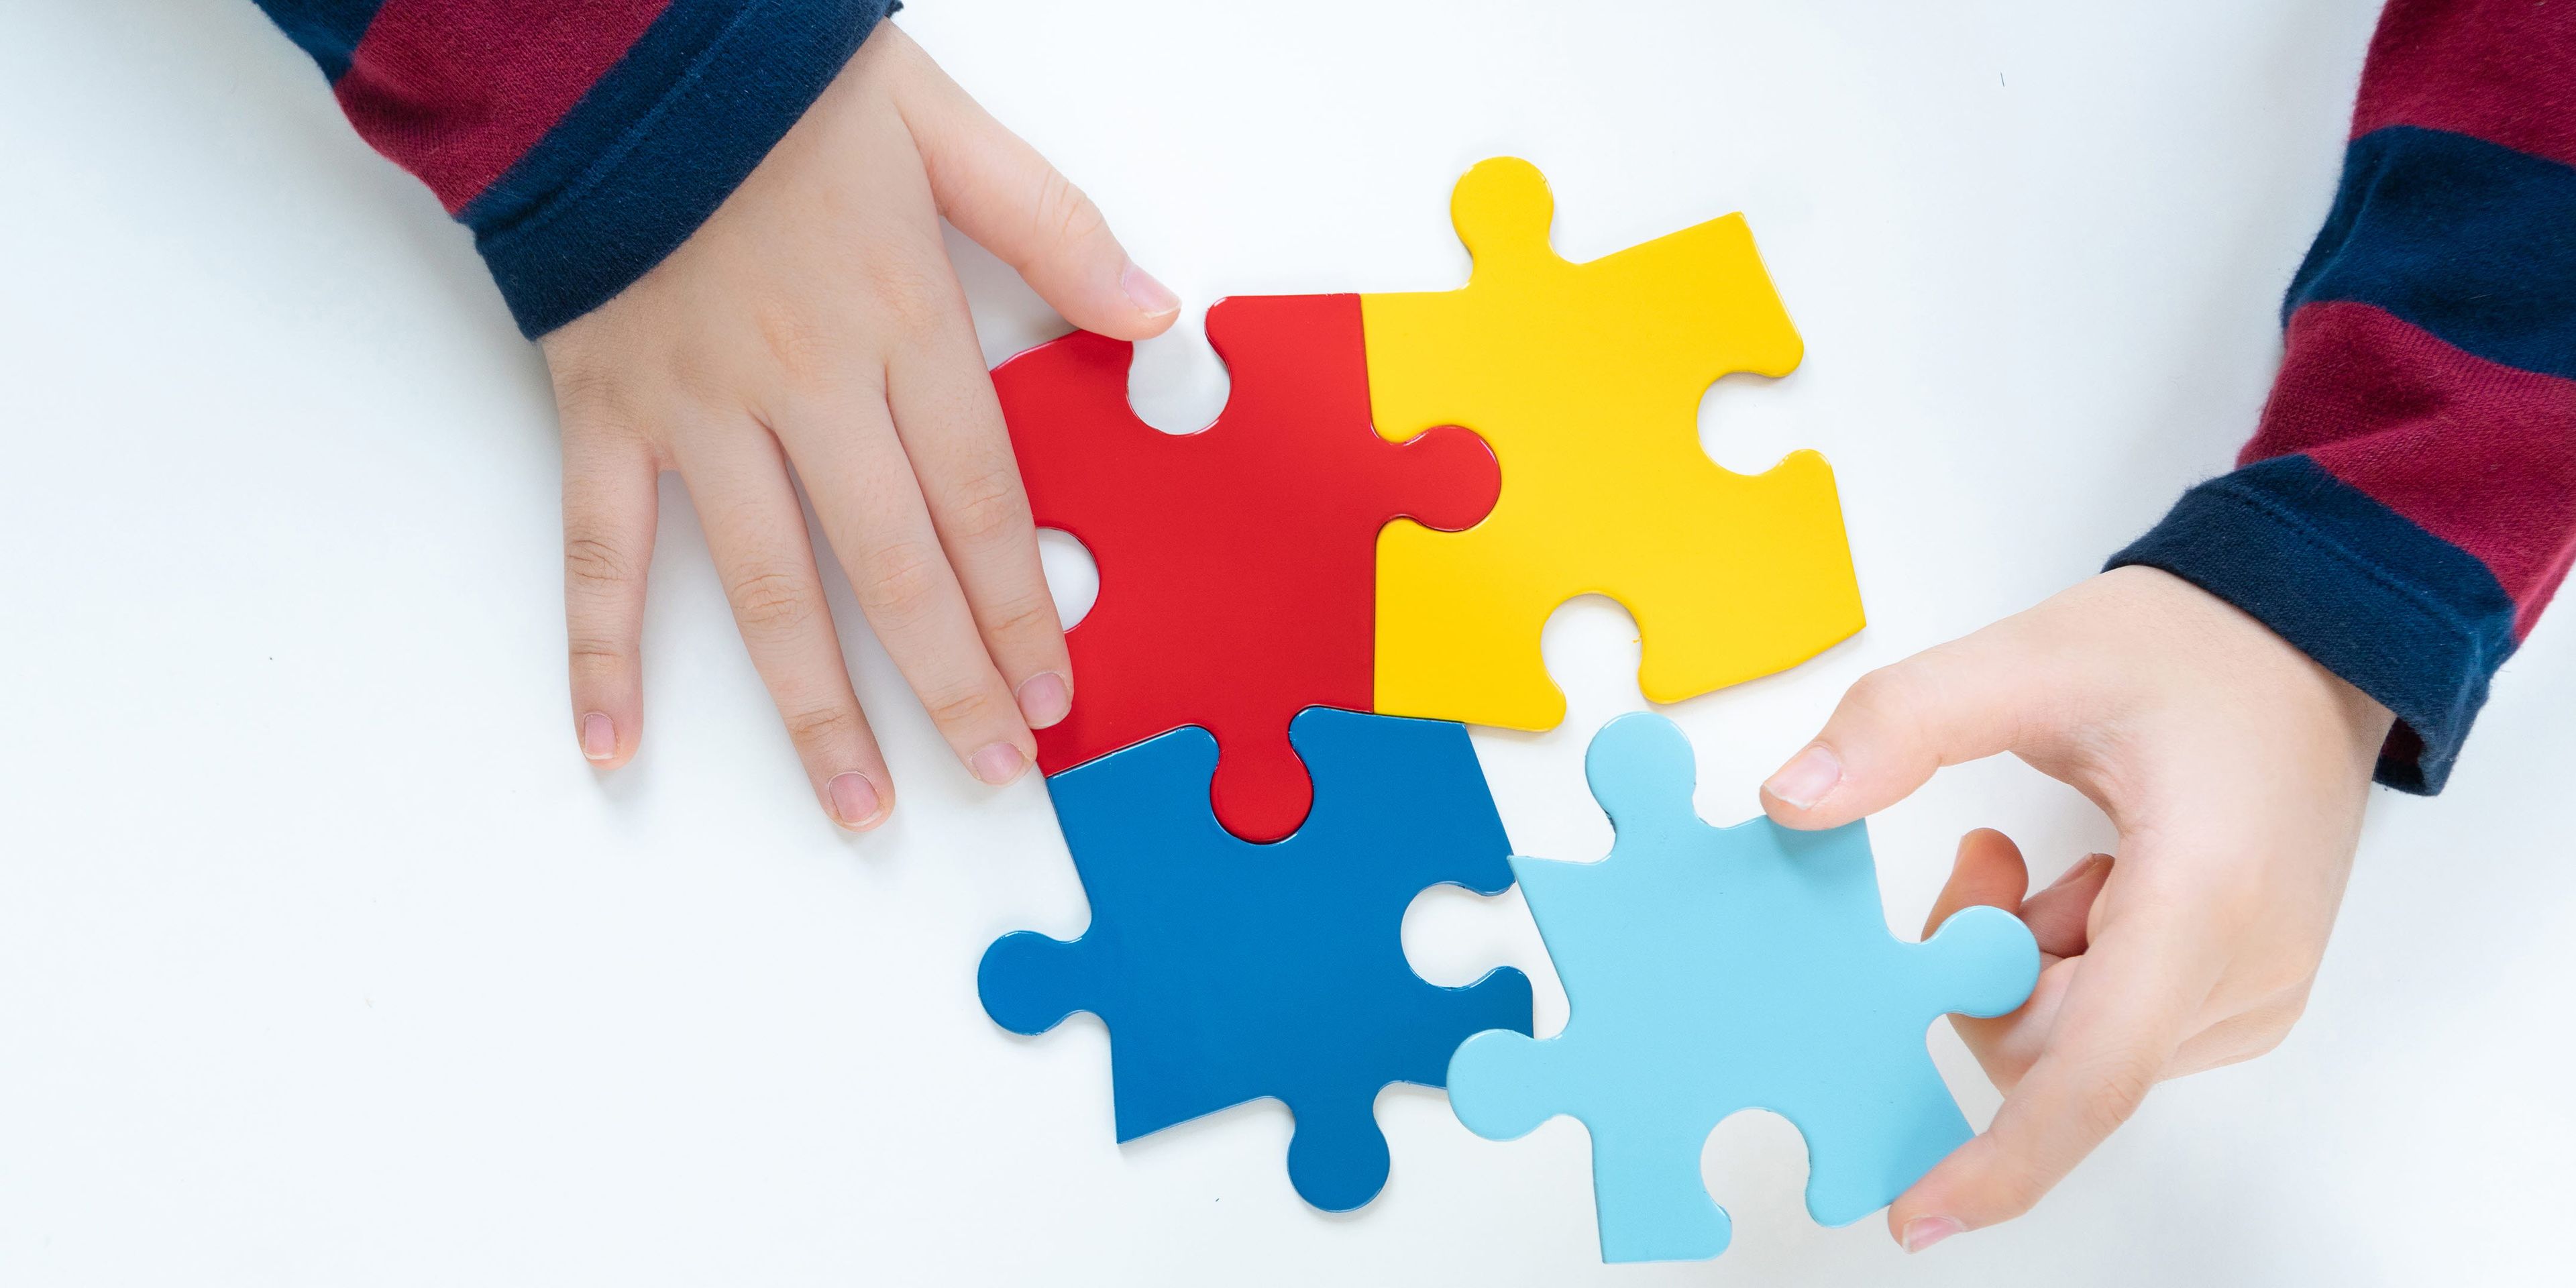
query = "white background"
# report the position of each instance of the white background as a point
(325, 959)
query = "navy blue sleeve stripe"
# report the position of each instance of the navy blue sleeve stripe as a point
(326, 29)
(623, 180)
(2408, 618)
(2472, 241)
(617, 101)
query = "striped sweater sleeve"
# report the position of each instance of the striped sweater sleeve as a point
(580, 140)
(2407, 505)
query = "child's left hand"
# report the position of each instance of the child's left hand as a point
(814, 332)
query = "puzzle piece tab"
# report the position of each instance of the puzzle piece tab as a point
(1714, 969)
(1228, 971)
(1238, 564)
(1586, 380)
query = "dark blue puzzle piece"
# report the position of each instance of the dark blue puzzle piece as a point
(1228, 971)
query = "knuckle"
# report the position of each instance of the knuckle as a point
(2274, 995)
(2266, 1040)
(1878, 690)
(771, 603)
(903, 579)
(989, 507)
(595, 654)
(594, 563)
(2294, 1006)
(821, 726)
(2112, 1094)
(2283, 983)
(802, 348)
(907, 293)
(958, 707)
(1067, 216)
(697, 379)
(1889, 700)
(586, 397)
(600, 444)
(1023, 615)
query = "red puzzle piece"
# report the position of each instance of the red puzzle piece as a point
(1238, 564)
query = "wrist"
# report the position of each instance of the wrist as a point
(2249, 662)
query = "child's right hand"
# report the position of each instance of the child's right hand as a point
(814, 324)
(2235, 769)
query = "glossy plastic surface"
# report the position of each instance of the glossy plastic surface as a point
(1237, 563)
(1586, 380)
(1714, 969)
(1228, 971)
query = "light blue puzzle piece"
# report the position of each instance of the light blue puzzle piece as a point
(1714, 969)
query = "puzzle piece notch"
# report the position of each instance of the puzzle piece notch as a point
(1712, 970)
(1586, 380)
(1238, 564)
(1227, 971)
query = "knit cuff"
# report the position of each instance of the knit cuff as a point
(653, 148)
(2408, 618)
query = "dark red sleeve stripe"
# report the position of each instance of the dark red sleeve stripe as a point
(2492, 69)
(2476, 453)
(581, 140)
(456, 90)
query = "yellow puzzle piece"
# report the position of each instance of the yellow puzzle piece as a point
(1586, 380)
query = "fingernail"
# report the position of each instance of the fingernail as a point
(1924, 1231)
(998, 763)
(1044, 699)
(598, 736)
(1147, 294)
(854, 800)
(1809, 777)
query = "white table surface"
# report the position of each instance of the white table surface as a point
(325, 959)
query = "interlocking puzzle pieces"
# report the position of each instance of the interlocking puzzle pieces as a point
(1586, 380)
(1717, 969)
(1228, 971)
(1238, 563)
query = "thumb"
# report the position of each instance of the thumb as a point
(1962, 701)
(999, 191)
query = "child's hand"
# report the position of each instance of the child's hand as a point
(814, 324)
(2235, 769)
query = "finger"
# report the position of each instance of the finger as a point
(950, 424)
(871, 506)
(2057, 916)
(1989, 870)
(999, 191)
(610, 505)
(1962, 701)
(2124, 1014)
(756, 531)
(2006, 1046)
